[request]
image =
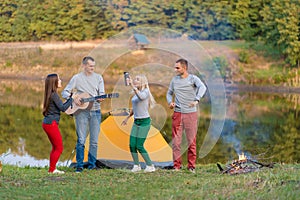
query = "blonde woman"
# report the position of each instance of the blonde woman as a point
(141, 101)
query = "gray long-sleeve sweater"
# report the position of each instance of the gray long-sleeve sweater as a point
(92, 84)
(186, 90)
(140, 104)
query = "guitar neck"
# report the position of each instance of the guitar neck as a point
(97, 97)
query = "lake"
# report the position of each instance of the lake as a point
(262, 125)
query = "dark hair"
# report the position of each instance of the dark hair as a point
(51, 85)
(183, 62)
(86, 59)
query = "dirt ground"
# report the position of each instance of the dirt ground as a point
(50, 45)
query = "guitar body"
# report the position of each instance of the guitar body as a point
(87, 102)
(74, 109)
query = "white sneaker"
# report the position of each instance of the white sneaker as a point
(150, 168)
(56, 171)
(136, 168)
(192, 170)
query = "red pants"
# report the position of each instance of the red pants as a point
(187, 122)
(55, 138)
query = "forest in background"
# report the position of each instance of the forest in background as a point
(273, 23)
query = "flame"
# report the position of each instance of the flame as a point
(242, 156)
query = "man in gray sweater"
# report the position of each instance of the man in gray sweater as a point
(92, 84)
(187, 90)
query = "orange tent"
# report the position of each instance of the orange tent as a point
(113, 146)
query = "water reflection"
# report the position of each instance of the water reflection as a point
(25, 160)
(263, 125)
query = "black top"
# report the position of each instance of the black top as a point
(55, 107)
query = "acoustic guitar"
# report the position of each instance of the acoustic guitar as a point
(87, 102)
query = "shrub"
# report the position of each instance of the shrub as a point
(244, 57)
(221, 64)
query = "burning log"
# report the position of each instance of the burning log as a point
(243, 165)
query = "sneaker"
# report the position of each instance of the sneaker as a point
(94, 168)
(192, 170)
(150, 168)
(136, 168)
(56, 171)
(176, 169)
(79, 170)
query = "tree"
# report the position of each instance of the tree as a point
(97, 23)
(275, 23)
(69, 19)
(42, 24)
(114, 13)
(280, 28)
(218, 25)
(245, 17)
(7, 10)
(144, 13)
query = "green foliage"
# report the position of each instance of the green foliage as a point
(8, 64)
(244, 57)
(280, 28)
(52, 20)
(96, 22)
(144, 13)
(275, 23)
(221, 64)
(266, 50)
(90, 19)
(7, 11)
(279, 78)
(245, 17)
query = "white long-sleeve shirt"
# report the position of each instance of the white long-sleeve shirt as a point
(140, 104)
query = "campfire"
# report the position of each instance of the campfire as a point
(243, 165)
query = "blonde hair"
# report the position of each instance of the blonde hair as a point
(144, 84)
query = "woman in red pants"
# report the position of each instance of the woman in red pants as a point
(53, 105)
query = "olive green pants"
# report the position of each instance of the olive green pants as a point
(138, 135)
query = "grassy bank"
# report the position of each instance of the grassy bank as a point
(281, 182)
(238, 61)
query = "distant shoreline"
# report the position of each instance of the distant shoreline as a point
(228, 87)
(259, 88)
(50, 45)
(13, 73)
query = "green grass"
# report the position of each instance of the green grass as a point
(233, 44)
(281, 182)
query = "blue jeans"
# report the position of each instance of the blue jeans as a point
(87, 120)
